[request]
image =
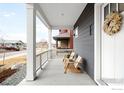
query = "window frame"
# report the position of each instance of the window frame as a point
(76, 32)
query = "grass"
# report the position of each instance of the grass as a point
(14, 60)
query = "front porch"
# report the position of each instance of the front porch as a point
(52, 73)
(87, 34)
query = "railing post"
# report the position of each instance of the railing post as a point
(51, 53)
(41, 61)
(50, 38)
(47, 55)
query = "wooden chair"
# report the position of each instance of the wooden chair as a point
(75, 63)
(69, 57)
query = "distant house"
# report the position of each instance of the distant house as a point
(42, 44)
(12, 44)
(64, 40)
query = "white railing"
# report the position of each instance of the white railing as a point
(43, 57)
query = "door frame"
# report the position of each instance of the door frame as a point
(97, 43)
(98, 26)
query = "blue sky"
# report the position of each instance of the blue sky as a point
(13, 23)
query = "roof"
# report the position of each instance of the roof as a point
(62, 36)
(10, 41)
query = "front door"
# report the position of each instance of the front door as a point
(112, 49)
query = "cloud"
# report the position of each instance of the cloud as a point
(16, 36)
(13, 13)
(7, 13)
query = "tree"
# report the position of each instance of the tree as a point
(3, 48)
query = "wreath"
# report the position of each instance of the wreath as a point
(112, 23)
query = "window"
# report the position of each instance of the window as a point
(113, 7)
(106, 11)
(121, 7)
(76, 32)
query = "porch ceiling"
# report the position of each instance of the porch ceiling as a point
(62, 15)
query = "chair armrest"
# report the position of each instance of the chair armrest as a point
(77, 62)
(70, 62)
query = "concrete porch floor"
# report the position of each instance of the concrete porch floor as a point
(53, 74)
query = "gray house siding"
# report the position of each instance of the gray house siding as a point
(84, 43)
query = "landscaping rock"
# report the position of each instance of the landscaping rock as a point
(17, 77)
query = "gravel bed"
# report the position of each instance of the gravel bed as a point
(17, 77)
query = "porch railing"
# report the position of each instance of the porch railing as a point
(43, 57)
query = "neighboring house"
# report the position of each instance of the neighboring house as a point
(12, 44)
(42, 44)
(65, 39)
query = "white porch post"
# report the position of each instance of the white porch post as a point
(50, 38)
(97, 43)
(31, 42)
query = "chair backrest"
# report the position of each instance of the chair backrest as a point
(72, 55)
(77, 61)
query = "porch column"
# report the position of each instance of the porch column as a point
(97, 41)
(50, 38)
(56, 44)
(31, 42)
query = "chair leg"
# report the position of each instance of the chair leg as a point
(64, 61)
(66, 67)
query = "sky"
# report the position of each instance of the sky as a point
(13, 24)
(13, 21)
